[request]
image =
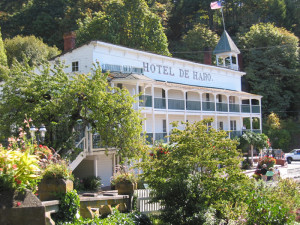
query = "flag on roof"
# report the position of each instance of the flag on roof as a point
(215, 5)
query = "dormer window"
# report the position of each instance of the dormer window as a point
(75, 66)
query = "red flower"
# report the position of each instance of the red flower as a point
(40, 146)
(151, 154)
(18, 181)
(14, 166)
(18, 203)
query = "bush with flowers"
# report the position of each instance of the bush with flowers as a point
(19, 169)
(268, 160)
(160, 150)
(123, 175)
(23, 163)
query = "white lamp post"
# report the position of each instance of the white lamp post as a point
(41, 136)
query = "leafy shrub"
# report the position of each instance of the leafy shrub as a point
(116, 218)
(91, 183)
(123, 175)
(58, 170)
(246, 164)
(19, 169)
(190, 179)
(141, 219)
(264, 207)
(68, 207)
(160, 150)
(78, 184)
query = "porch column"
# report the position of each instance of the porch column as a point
(137, 97)
(96, 166)
(228, 103)
(90, 141)
(251, 125)
(215, 99)
(201, 115)
(260, 124)
(153, 116)
(184, 99)
(167, 113)
(228, 121)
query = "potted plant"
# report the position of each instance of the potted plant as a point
(124, 180)
(56, 179)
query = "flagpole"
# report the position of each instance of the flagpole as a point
(223, 17)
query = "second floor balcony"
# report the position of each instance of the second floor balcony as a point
(192, 105)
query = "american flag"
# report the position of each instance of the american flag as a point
(216, 5)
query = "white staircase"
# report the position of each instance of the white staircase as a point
(81, 155)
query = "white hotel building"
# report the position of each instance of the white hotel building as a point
(172, 90)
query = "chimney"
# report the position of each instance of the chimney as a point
(207, 56)
(69, 41)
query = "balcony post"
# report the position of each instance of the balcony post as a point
(167, 99)
(184, 99)
(260, 124)
(228, 106)
(167, 114)
(153, 116)
(137, 97)
(215, 99)
(95, 166)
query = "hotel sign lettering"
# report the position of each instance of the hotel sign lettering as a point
(179, 72)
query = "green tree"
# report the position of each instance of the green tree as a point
(34, 49)
(280, 137)
(59, 101)
(129, 23)
(257, 140)
(195, 42)
(272, 64)
(3, 59)
(200, 170)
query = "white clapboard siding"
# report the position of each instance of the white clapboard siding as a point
(143, 205)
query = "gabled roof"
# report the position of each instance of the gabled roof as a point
(226, 44)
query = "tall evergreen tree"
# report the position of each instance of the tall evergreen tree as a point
(3, 59)
(129, 23)
(271, 60)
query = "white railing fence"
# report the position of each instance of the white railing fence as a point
(143, 202)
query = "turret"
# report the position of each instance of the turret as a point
(227, 53)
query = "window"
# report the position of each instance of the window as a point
(75, 66)
(207, 97)
(163, 93)
(221, 125)
(232, 100)
(164, 126)
(232, 124)
(219, 97)
(208, 126)
(233, 60)
(119, 85)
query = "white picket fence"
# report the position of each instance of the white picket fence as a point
(143, 202)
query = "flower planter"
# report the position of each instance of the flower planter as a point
(21, 208)
(281, 162)
(49, 189)
(125, 188)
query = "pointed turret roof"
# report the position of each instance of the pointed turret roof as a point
(226, 44)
